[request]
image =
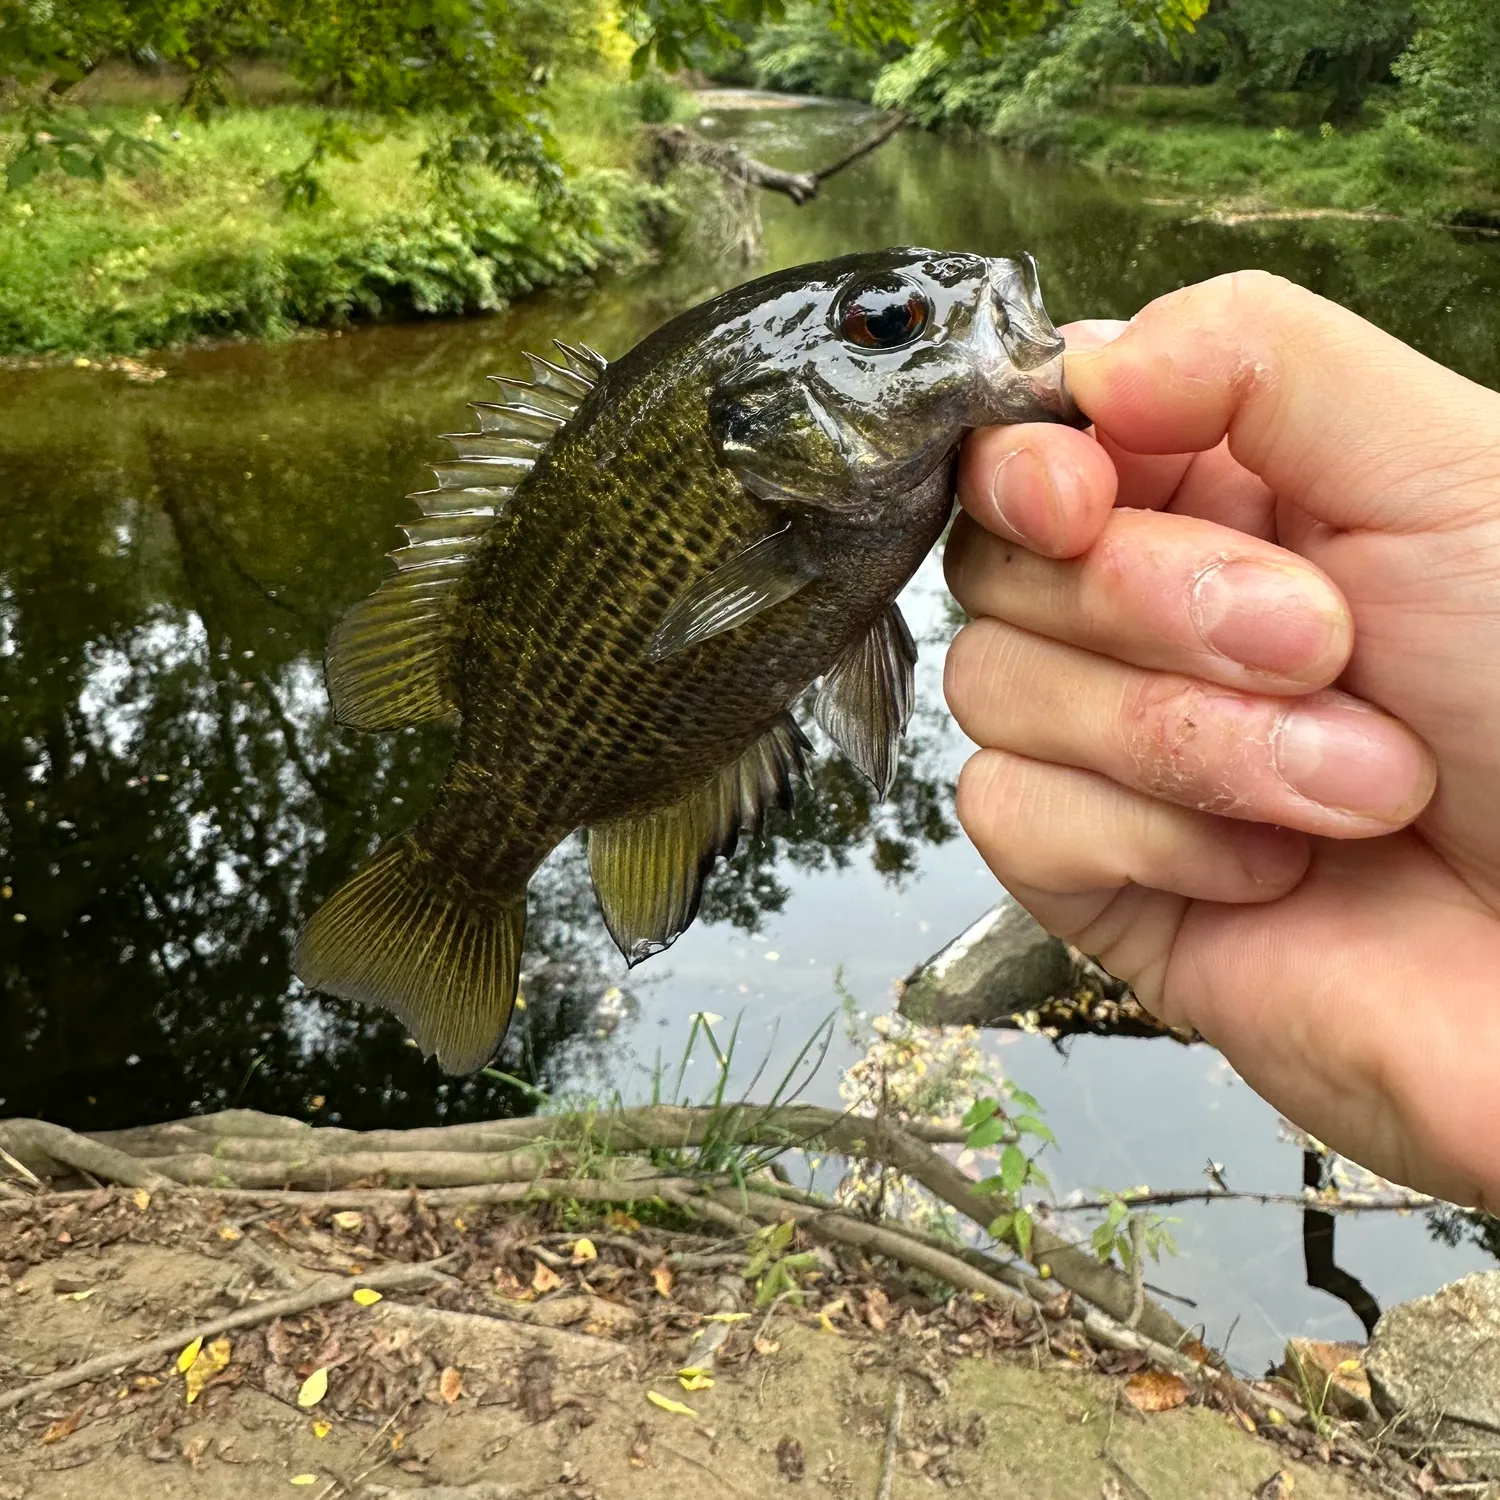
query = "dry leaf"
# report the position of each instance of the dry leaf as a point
(640, 1449)
(366, 1296)
(1156, 1390)
(584, 1250)
(63, 1428)
(450, 1385)
(1196, 1350)
(203, 1368)
(349, 1221)
(314, 1388)
(767, 1346)
(1278, 1487)
(790, 1460)
(677, 1408)
(626, 1223)
(188, 1355)
(142, 1199)
(726, 1317)
(1110, 1490)
(661, 1278)
(194, 1449)
(545, 1279)
(878, 1309)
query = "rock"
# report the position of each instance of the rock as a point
(1004, 963)
(1328, 1377)
(1434, 1371)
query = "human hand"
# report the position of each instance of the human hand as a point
(1221, 657)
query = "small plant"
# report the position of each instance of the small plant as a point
(775, 1272)
(1131, 1236)
(989, 1125)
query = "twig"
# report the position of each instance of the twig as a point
(462, 1324)
(1349, 1203)
(892, 1437)
(870, 143)
(319, 1293)
(1137, 1270)
(20, 1168)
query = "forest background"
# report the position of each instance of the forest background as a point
(181, 169)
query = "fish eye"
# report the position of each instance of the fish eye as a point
(881, 312)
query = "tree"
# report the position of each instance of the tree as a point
(674, 31)
(1451, 71)
(473, 68)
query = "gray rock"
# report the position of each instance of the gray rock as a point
(1434, 1367)
(1002, 964)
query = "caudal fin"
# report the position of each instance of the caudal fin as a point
(444, 959)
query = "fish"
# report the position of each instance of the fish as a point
(625, 580)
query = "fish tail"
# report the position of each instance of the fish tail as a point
(404, 935)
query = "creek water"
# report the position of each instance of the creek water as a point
(174, 799)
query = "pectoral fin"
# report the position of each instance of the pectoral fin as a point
(649, 870)
(762, 575)
(864, 704)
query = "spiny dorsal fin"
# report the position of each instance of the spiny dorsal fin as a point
(390, 657)
(762, 575)
(402, 935)
(864, 704)
(649, 870)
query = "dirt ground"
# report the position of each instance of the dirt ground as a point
(530, 1371)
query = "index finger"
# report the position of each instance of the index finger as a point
(1319, 403)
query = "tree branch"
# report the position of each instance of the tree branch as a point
(680, 143)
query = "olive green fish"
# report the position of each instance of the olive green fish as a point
(626, 579)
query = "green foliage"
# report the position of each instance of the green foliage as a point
(1124, 1233)
(676, 32)
(471, 69)
(775, 1268)
(988, 1124)
(198, 247)
(805, 55)
(1451, 71)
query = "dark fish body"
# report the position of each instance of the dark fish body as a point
(626, 580)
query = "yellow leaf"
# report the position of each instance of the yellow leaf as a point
(726, 1317)
(584, 1250)
(661, 1277)
(322, 1429)
(314, 1388)
(349, 1221)
(1275, 1418)
(78, 1296)
(826, 1323)
(303, 1479)
(366, 1296)
(1348, 1366)
(545, 1279)
(142, 1199)
(208, 1364)
(188, 1355)
(459, 1225)
(230, 1233)
(626, 1223)
(668, 1404)
(695, 1380)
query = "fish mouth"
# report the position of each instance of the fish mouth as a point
(1032, 386)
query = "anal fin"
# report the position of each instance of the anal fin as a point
(649, 870)
(444, 959)
(864, 703)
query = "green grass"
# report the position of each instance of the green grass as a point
(201, 246)
(1387, 166)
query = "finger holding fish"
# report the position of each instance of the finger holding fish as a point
(1323, 763)
(1167, 592)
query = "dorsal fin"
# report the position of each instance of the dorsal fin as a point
(389, 659)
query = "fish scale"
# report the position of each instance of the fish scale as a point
(626, 579)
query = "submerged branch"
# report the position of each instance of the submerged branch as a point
(680, 143)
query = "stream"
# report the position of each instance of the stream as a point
(174, 799)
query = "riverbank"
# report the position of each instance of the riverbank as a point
(1181, 141)
(201, 245)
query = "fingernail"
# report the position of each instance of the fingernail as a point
(1026, 499)
(1090, 334)
(1352, 760)
(1268, 618)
